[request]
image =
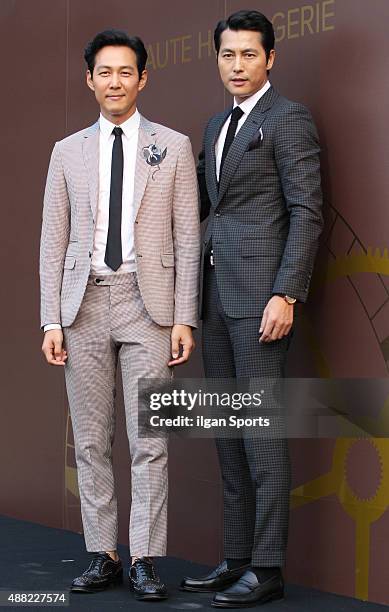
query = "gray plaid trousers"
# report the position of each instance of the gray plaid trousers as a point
(113, 325)
(255, 472)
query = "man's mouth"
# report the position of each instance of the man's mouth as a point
(115, 96)
(238, 81)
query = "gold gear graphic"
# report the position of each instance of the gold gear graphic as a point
(363, 512)
(371, 261)
(359, 498)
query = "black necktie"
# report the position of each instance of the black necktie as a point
(113, 251)
(235, 116)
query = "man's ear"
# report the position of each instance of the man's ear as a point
(143, 80)
(270, 61)
(89, 80)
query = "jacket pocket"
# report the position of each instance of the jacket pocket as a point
(167, 260)
(69, 262)
(261, 247)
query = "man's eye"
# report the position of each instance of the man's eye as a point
(227, 55)
(126, 74)
(104, 73)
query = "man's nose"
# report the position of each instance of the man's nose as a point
(237, 64)
(115, 81)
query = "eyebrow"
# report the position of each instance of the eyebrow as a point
(120, 67)
(243, 50)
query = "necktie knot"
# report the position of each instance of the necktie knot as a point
(117, 131)
(236, 114)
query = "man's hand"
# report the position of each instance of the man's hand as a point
(52, 347)
(277, 319)
(181, 335)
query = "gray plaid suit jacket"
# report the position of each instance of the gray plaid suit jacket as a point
(265, 216)
(166, 229)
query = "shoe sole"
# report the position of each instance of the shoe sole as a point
(198, 590)
(274, 597)
(150, 597)
(208, 590)
(115, 582)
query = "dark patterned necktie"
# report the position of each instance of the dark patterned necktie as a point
(235, 116)
(113, 251)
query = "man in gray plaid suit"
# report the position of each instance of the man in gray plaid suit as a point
(120, 251)
(259, 179)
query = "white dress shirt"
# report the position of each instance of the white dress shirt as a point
(130, 129)
(246, 106)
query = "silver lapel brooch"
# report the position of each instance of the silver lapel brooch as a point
(154, 156)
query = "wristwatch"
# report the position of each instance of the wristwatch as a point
(289, 300)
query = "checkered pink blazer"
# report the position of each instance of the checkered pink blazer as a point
(166, 230)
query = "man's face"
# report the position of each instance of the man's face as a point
(116, 82)
(242, 62)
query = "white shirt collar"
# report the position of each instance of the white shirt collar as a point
(129, 126)
(248, 104)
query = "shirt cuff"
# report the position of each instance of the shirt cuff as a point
(51, 326)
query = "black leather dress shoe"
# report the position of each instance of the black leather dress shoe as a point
(101, 573)
(144, 581)
(248, 591)
(220, 578)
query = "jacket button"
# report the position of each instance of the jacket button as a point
(217, 215)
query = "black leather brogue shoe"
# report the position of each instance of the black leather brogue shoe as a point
(144, 581)
(218, 579)
(101, 573)
(248, 591)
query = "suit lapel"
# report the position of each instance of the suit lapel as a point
(90, 150)
(252, 124)
(147, 135)
(211, 179)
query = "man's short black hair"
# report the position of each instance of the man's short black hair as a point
(116, 38)
(247, 20)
